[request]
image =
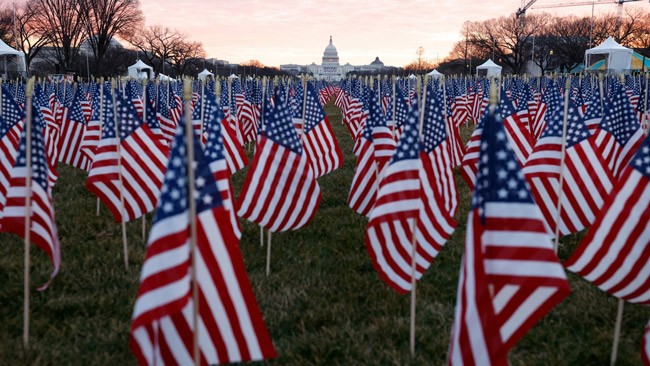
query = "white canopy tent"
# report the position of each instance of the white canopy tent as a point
(140, 70)
(616, 57)
(488, 69)
(204, 74)
(6, 51)
(163, 77)
(435, 74)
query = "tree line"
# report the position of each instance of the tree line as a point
(551, 42)
(80, 36)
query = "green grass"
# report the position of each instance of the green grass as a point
(323, 302)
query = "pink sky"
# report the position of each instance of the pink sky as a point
(297, 31)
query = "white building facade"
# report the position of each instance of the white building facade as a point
(330, 68)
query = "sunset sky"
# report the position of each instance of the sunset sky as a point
(297, 31)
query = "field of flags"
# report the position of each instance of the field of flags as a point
(544, 159)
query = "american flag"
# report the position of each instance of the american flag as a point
(296, 102)
(280, 192)
(245, 113)
(134, 153)
(382, 135)
(366, 174)
(93, 131)
(132, 91)
(615, 254)
(470, 160)
(43, 231)
(401, 113)
(521, 141)
(645, 346)
(73, 126)
(437, 147)
(594, 113)
(50, 132)
(231, 327)
(11, 129)
(215, 152)
(319, 141)
(198, 116)
(403, 209)
(167, 122)
(586, 179)
(152, 121)
(235, 154)
(510, 276)
(230, 111)
(619, 135)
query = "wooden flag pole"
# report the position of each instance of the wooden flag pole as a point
(556, 242)
(260, 128)
(101, 119)
(202, 108)
(189, 132)
(414, 242)
(268, 254)
(645, 107)
(144, 120)
(617, 332)
(304, 107)
(28, 209)
(602, 95)
(125, 245)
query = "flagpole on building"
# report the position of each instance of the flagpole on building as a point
(189, 132)
(125, 246)
(414, 242)
(28, 205)
(558, 215)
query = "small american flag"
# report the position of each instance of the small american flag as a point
(43, 230)
(615, 253)
(73, 126)
(620, 134)
(235, 154)
(11, 129)
(319, 141)
(280, 191)
(140, 158)
(366, 174)
(231, 326)
(587, 180)
(510, 276)
(382, 135)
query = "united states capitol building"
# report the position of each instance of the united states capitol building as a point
(330, 69)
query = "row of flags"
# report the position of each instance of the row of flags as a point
(131, 143)
(533, 148)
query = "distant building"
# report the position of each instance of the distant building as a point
(330, 68)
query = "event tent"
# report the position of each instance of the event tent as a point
(609, 56)
(488, 69)
(140, 70)
(6, 51)
(204, 74)
(434, 74)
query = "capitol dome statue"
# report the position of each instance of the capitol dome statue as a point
(331, 55)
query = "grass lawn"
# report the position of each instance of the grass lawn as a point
(323, 302)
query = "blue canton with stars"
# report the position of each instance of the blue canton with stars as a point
(76, 113)
(619, 119)
(576, 129)
(434, 132)
(641, 160)
(196, 113)
(401, 109)
(314, 113)
(11, 112)
(376, 113)
(278, 126)
(108, 125)
(95, 101)
(296, 101)
(214, 141)
(499, 177)
(39, 163)
(150, 115)
(127, 117)
(174, 198)
(409, 146)
(506, 108)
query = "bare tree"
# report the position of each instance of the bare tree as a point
(104, 19)
(183, 52)
(27, 36)
(60, 21)
(158, 44)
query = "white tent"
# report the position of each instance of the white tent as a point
(488, 69)
(435, 74)
(163, 77)
(140, 70)
(204, 74)
(616, 57)
(6, 51)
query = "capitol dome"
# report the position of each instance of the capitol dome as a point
(331, 55)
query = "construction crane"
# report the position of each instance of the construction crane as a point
(521, 12)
